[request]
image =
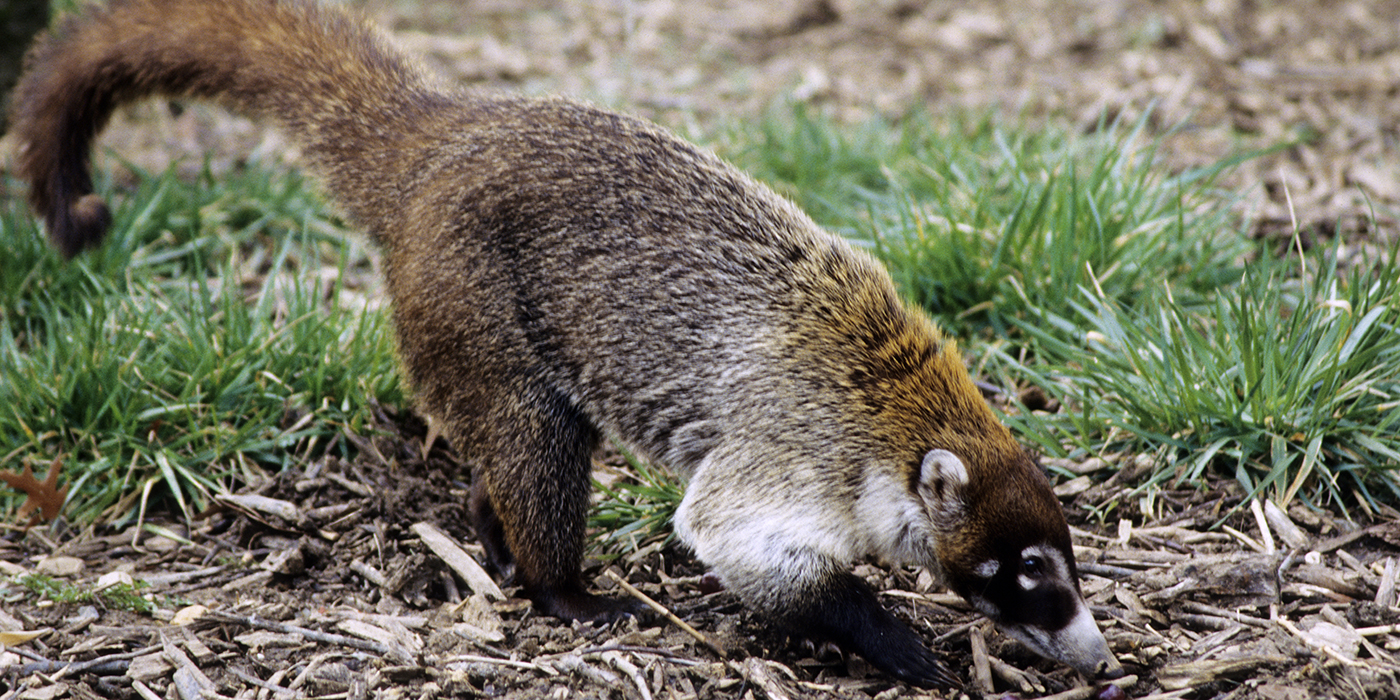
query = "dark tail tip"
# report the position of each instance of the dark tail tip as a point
(80, 225)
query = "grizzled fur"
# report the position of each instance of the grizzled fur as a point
(561, 272)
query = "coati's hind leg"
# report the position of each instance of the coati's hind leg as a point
(490, 531)
(530, 505)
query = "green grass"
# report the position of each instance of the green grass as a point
(120, 596)
(196, 348)
(209, 340)
(1077, 263)
(1291, 385)
(632, 514)
(976, 219)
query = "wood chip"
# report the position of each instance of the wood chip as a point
(1330, 579)
(149, 667)
(253, 503)
(1197, 673)
(457, 558)
(1291, 534)
(1385, 592)
(402, 642)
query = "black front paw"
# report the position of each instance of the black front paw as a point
(844, 610)
(911, 662)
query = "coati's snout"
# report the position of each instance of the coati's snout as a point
(1034, 598)
(1006, 549)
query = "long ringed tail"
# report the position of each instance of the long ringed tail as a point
(333, 81)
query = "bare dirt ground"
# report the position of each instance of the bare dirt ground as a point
(332, 590)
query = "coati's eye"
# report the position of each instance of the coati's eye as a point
(1033, 566)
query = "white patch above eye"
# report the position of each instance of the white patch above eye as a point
(987, 569)
(1052, 562)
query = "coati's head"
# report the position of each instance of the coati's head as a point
(1003, 544)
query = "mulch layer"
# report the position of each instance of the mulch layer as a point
(357, 579)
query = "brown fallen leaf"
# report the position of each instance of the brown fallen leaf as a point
(44, 495)
(9, 639)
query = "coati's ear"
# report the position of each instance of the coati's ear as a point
(942, 483)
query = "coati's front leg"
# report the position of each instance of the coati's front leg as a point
(811, 598)
(842, 608)
(530, 504)
(779, 560)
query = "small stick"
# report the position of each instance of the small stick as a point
(144, 691)
(981, 667)
(1015, 676)
(1088, 691)
(1245, 539)
(508, 663)
(454, 556)
(1385, 592)
(1377, 631)
(670, 616)
(309, 634)
(1232, 615)
(1264, 532)
(254, 680)
(756, 672)
(631, 670)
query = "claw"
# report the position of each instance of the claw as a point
(577, 604)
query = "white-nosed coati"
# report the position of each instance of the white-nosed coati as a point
(561, 272)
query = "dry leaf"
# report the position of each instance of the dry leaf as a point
(9, 639)
(43, 495)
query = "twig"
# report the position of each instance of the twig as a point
(109, 665)
(960, 629)
(1244, 539)
(981, 667)
(1015, 676)
(573, 663)
(1231, 615)
(616, 661)
(1377, 631)
(668, 655)
(1088, 691)
(670, 616)
(548, 670)
(144, 691)
(254, 680)
(757, 673)
(310, 634)
(1256, 507)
